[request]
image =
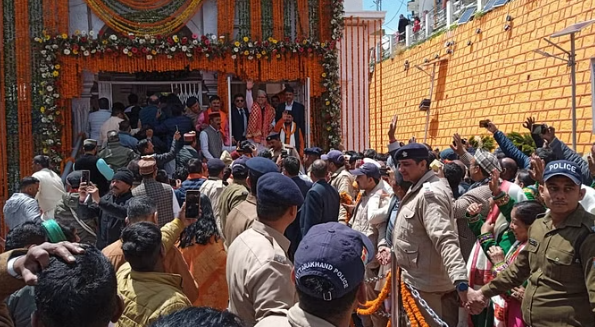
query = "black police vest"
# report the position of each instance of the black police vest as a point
(89, 162)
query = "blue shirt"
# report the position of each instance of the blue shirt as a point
(128, 140)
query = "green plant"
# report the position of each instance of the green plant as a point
(479, 14)
(523, 142)
(453, 27)
(484, 142)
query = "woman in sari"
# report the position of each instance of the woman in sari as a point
(203, 250)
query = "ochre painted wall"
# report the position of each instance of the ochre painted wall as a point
(497, 77)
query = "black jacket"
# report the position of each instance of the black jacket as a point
(293, 231)
(237, 124)
(321, 205)
(89, 162)
(110, 213)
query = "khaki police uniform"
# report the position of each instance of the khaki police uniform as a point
(342, 181)
(558, 263)
(426, 247)
(240, 219)
(291, 151)
(231, 196)
(259, 274)
(212, 188)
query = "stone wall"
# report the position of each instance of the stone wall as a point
(492, 73)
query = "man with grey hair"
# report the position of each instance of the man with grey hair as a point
(143, 208)
(262, 120)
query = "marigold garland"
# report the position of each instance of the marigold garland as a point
(345, 198)
(416, 318)
(372, 306)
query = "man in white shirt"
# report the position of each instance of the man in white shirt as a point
(113, 123)
(97, 118)
(51, 187)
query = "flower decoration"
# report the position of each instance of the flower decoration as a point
(148, 47)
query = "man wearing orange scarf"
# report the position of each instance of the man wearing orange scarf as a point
(290, 133)
(262, 118)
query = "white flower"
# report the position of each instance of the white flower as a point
(169, 56)
(50, 117)
(86, 53)
(93, 50)
(152, 41)
(250, 44)
(44, 75)
(195, 42)
(44, 120)
(250, 57)
(56, 95)
(207, 55)
(54, 46)
(48, 100)
(43, 52)
(91, 33)
(172, 49)
(236, 50)
(141, 41)
(113, 37)
(125, 51)
(66, 52)
(184, 48)
(188, 54)
(50, 142)
(149, 57)
(233, 57)
(83, 33)
(147, 36)
(50, 88)
(214, 37)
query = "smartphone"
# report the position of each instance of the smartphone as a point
(284, 154)
(539, 129)
(86, 177)
(484, 123)
(192, 203)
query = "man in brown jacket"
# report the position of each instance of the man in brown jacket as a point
(142, 208)
(426, 243)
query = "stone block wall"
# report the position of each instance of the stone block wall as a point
(492, 73)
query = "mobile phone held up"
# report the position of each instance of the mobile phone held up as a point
(192, 203)
(86, 177)
(539, 129)
(484, 123)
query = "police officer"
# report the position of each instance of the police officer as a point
(236, 192)
(258, 270)
(558, 259)
(425, 240)
(278, 149)
(241, 217)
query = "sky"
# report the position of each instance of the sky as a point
(393, 8)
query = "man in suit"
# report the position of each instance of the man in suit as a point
(322, 201)
(296, 109)
(239, 119)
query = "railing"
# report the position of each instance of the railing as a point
(434, 21)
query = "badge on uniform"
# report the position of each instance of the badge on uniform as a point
(532, 242)
(428, 190)
(279, 258)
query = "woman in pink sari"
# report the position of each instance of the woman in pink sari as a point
(507, 307)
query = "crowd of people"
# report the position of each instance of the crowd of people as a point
(244, 226)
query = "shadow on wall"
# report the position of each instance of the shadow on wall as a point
(439, 91)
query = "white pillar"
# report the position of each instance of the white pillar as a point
(408, 35)
(428, 24)
(479, 5)
(449, 17)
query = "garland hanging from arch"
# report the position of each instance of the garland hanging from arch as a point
(153, 17)
(244, 52)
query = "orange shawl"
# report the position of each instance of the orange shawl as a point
(259, 129)
(207, 265)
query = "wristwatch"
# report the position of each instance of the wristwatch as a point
(462, 286)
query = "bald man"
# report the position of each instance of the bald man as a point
(509, 169)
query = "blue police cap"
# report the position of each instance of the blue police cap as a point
(334, 252)
(412, 151)
(278, 189)
(239, 166)
(215, 164)
(563, 168)
(314, 151)
(369, 169)
(261, 166)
